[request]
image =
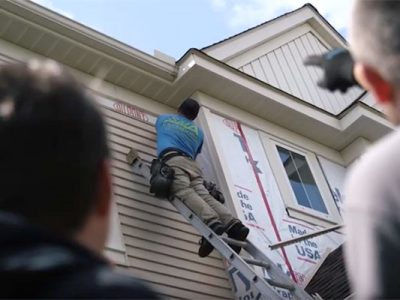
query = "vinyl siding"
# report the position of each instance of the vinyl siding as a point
(161, 247)
(283, 68)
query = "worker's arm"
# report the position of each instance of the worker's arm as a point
(337, 66)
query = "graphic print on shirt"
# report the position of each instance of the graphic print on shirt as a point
(191, 130)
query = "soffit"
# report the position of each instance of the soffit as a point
(248, 94)
(197, 72)
(36, 29)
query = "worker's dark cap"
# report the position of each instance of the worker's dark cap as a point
(189, 108)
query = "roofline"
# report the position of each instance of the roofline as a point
(339, 115)
(85, 35)
(309, 5)
(195, 60)
(252, 28)
(326, 22)
(177, 77)
(39, 15)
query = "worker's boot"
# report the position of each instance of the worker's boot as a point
(238, 232)
(205, 247)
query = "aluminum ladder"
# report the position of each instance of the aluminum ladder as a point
(264, 286)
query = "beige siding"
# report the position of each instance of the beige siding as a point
(283, 68)
(161, 247)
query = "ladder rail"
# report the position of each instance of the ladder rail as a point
(264, 286)
(225, 250)
(275, 273)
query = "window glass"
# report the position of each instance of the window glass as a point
(301, 180)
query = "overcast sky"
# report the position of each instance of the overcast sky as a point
(174, 26)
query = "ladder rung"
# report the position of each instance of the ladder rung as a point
(234, 242)
(286, 286)
(257, 262)
(264, 286)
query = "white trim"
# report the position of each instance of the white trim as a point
(115, 239)
(105, 89)
(221, 165)
(268, 46)
(293, 208)
(34, 13)
(273, 130)
(357, 121)
(237, 45)
(354, 150)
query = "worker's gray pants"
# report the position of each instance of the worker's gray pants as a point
(188, 186)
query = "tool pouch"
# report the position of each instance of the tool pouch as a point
(161, 179)
(214, 191)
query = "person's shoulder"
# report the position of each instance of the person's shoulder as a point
(165, 116)
(382, 155)
(378, 168)
(105, 283)
(117, 285)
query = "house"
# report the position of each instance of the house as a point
(277, 145)
(330, 281)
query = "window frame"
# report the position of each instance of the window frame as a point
(293, 208)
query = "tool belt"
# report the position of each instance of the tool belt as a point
(163, 175)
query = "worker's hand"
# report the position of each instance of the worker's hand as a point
(337, 66)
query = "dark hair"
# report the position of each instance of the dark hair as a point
(52, 143)
(189, 108)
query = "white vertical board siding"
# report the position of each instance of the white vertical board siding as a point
(161, 247)
(283, 68)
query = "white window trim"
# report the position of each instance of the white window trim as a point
(294, 209)
(115, 247)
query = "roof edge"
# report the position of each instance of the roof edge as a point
(316, 16)
(253, 28)
(82, 34)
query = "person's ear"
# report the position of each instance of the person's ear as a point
(104, 189)
(372, 81)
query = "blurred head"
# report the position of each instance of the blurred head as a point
(189, 108)
(375, 44)
(53, 156)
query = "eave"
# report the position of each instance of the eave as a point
(260, 99)
(36, 29)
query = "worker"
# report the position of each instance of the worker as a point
(55, 190)
(372, 193)
(179, 141)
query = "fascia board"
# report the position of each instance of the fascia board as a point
(359, 111)
(195, 60)
(269, 92)
(239, 44)
(327, 33)
(34, 14)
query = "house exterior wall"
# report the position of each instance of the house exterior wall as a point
(281, 64)
(149, 238)
(260, 194)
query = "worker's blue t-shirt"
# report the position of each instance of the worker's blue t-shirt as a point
(178, 132)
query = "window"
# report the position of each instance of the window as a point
(301, 180)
